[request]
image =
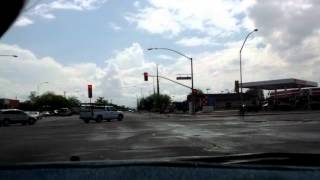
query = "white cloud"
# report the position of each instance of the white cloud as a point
(165, 57)
(173, 16)
(156, 21)
(79, 5)
(21, 75)
(23, 21)
(122, 81)
(131, 57)
(196, 41)
(136, 4)
(291, 27)
(114, 26)
(46, 10)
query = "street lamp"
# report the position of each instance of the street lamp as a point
(38, 86)
(241, 96)
(8, 55)
(191, 63)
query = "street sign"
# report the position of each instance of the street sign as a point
(184, 78)
(90, 91)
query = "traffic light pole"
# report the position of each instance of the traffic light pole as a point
(171, 81)
(192, 93)
(177, 52)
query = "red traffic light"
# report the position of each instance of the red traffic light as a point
(145, 74)
(90, 91)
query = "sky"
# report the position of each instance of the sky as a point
(73, 43)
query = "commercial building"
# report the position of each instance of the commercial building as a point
(9, 103)
(289, 93)
(210, 102)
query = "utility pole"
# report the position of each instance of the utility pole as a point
(158, 88)
(137, 102)
(154, 90)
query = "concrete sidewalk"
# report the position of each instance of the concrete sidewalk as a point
(227, 113)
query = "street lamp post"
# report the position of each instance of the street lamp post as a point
(8, 55)
(241, 95)
(38, 87)
(191, 63)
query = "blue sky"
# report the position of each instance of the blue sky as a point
(103, 42)
(82, 36)
(76, 36)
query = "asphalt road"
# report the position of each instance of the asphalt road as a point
(144, 136)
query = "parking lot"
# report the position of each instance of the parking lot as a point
(145, 135)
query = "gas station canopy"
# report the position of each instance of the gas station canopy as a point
(279, 84)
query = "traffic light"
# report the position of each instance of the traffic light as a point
(90, 91)
(236, 86)
(145, 76)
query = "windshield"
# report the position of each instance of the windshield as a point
(119, 80)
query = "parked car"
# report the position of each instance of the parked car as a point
(99, 113)
(55, 112)
(46, 114)
(15, 116)
(34, 114)
(65, 112)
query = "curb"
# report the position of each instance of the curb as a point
(258, 114)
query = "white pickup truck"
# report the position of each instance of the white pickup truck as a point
(99, 113)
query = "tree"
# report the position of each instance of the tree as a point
(27, 105)
(101, 100)
(33, 96)
(51, 101)
(197, 92)
(197, 95)
(73, 101)
(154, 102)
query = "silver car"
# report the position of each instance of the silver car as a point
(15, 116)
(34, 114)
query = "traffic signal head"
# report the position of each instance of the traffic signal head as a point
(145, 74)
(90, 91)
(236, 86)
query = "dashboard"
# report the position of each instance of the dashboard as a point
(153, 170)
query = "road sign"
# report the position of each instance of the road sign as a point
(90, 91)
(184, 78)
